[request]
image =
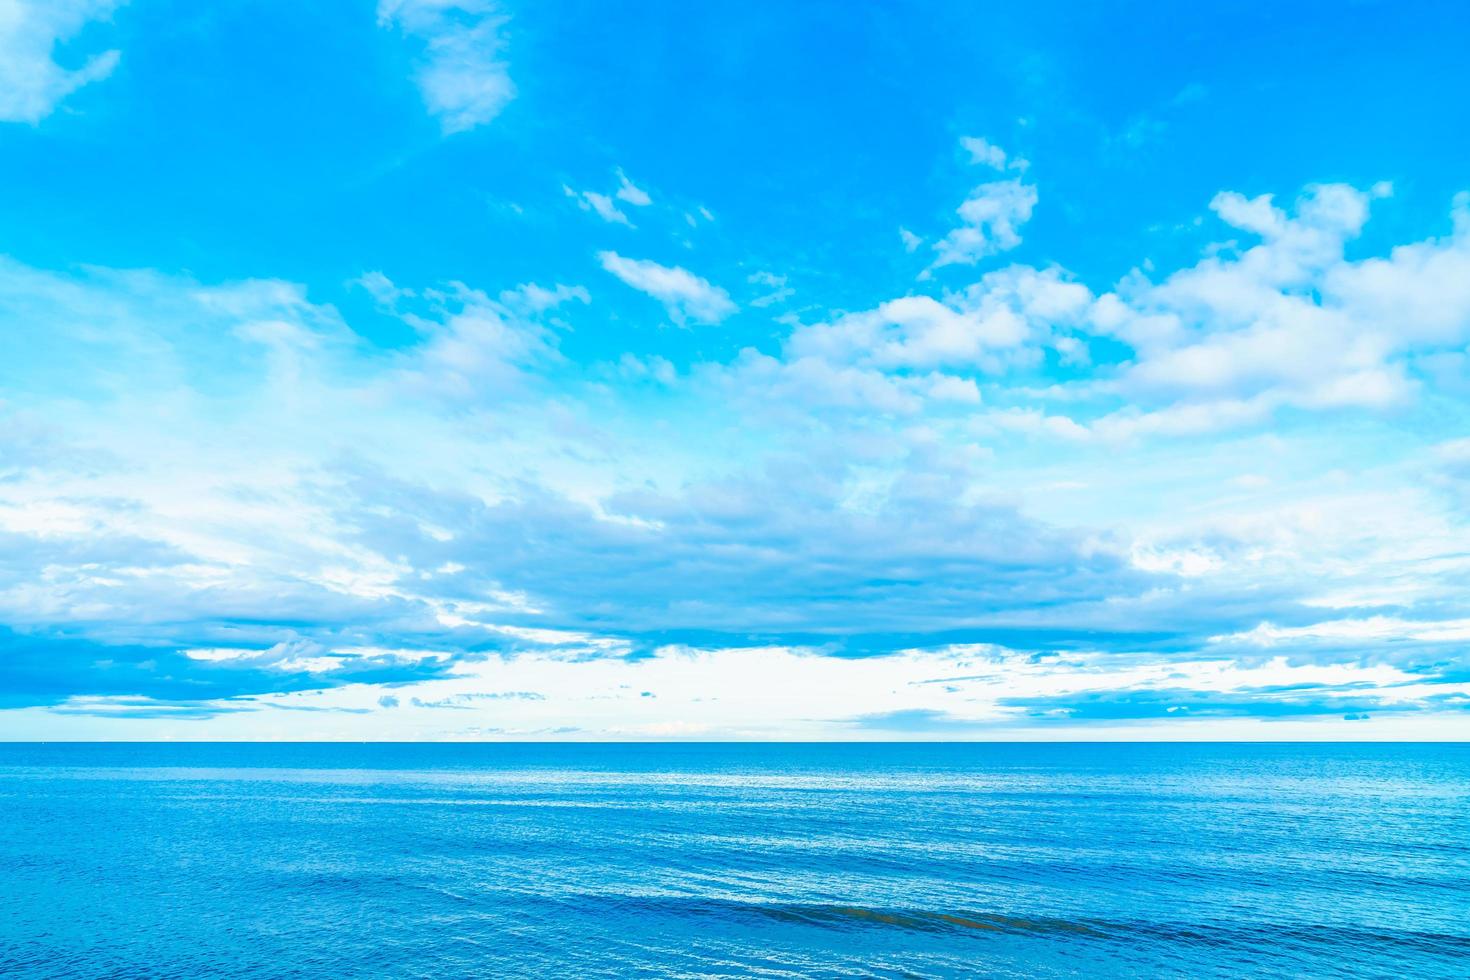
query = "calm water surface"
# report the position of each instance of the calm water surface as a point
(708, 861)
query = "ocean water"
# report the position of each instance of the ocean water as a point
(734, 860)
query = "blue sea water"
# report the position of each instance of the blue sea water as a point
(734, 860)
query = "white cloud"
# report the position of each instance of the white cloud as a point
(982, 151)
(1376, 629)
(605, 205)
(653, 367)
(692, 218)
(529, 299)
(815, 381)
(472, 346)
(32, 84)
(990, 221)
(988, 326)
(985, 153)
(1419, 295)
(684, 295)
(784, 692)
(948, 388)
(478, 348)
(599, 204)
(1032, 421)
(1226, 343)
(1286, 322)
(380, 288)
(286, 656)
(911, 242)
(632, 193)
(779, 290)
(462, 74)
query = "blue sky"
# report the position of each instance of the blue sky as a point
(456, 369)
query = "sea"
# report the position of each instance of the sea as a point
(734, 860)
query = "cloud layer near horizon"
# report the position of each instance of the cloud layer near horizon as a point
(216, 491)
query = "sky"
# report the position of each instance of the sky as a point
(458, 369)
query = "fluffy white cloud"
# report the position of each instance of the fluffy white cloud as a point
(991, 324)
(816, 381)
(990, 218)
(1288, 322)
(462, 74)
(984, 152)
(684, 295)
(32, 84)
(1419, 295)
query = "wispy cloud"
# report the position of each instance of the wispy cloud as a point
(462, 73)
(631, 192)
(32, 84)
(685, 296)
(986, 153)
(605, 206)
(778, 290)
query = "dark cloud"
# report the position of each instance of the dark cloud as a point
(48, 669)
(780, 558)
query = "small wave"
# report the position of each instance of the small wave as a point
(1239, 935)
(844, 916)
(924, 921)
